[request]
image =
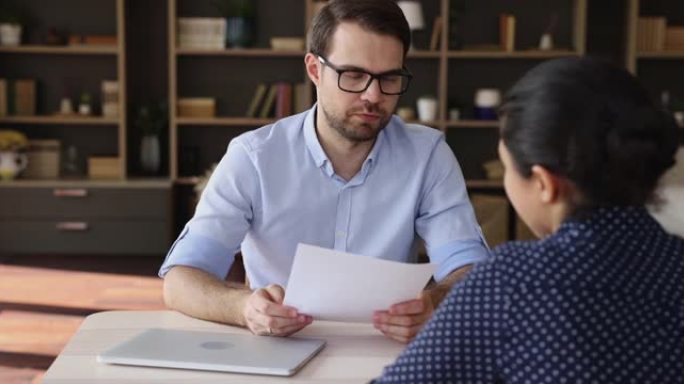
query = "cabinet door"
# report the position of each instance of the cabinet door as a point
(113, 237)
(83, 202)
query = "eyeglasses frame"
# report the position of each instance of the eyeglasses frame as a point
(373, 76)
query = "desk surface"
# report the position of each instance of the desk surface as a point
(354, 352)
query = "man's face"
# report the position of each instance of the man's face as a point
(361, 116)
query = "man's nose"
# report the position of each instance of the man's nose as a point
(373, 93)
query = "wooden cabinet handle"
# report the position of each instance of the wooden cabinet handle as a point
(70, 192)
(72, 226)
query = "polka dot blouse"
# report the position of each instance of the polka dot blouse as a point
(599, 301)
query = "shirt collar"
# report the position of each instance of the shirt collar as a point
(311, 139)
(316, 150)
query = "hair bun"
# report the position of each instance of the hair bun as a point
(652, 129)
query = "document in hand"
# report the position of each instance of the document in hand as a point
(333, 285)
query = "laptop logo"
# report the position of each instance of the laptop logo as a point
(214, 345)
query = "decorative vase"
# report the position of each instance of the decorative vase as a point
(546, 42)
(239, 32)
(11, 164)
(150, 155)
(10, 34)
(427, 109)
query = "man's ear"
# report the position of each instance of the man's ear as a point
(313, 66)
(548, 186)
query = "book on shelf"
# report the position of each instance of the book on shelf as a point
(281, 43)
(301, 97)
(283, 104)
(24, 97)
(507, 32)
(674, 38)
(436, 33)
(3, 97)
(256, 101)
(104, 167)
(651, 33)
(269, 102)
(197, 107)
(201, 32)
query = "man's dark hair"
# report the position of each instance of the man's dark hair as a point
(595, 125)
(379, 16)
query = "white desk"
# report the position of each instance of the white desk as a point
(355, 353)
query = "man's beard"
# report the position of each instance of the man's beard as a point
(356, 131)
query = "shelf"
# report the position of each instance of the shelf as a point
(485, 184)
(472, 124)
(63, 50)
(661, 55)
(87, 183)
(189, 180)
(254, 52)
(423, 54)
(531, 54)
(225, 121)
(60, 120)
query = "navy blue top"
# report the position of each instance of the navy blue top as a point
(599, 301)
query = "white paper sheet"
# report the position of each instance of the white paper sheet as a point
(333, 285)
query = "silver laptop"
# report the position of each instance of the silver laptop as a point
(214, 351)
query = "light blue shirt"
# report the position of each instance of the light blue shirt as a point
(275, 187)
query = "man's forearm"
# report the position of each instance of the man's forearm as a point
(199, 294)
(438, 291)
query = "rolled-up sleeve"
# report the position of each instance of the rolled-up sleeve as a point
(223, 215)
(446, 219)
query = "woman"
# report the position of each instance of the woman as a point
(600, 297)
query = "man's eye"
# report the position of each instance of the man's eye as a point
(391, 79)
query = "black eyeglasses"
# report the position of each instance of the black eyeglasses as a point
(356, 80)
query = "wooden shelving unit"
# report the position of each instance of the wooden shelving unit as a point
(529, 54)
(60, 120)
(632, 55)
(62, 50)
(433, 71)
(659, 71)
(254, 52)
(178, 55)
(224, 121)
(85, 53)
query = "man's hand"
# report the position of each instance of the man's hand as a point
(403, 321)
(264, 313)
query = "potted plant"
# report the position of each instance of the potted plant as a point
(13, 160)
(10, 27)
(151, 120)
(240, 21)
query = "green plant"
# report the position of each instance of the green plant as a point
(235, 8)
(151, 118)
(12, 140)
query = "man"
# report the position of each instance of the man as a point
(346, 174)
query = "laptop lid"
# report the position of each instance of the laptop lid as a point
(214, 351)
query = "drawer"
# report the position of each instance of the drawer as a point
(86, 202)
(85, 237)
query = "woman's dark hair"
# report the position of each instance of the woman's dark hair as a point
(379, 16)
(593, 124)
